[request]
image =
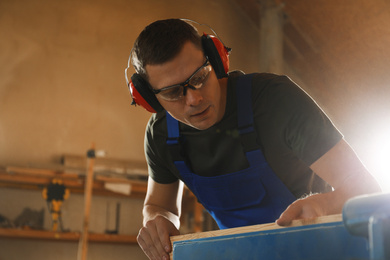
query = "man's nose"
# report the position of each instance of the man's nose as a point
(193, 97)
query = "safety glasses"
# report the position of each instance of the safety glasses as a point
(195, 81)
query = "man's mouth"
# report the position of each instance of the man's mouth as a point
(201, 113)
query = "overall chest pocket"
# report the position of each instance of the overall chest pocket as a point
(230, 191)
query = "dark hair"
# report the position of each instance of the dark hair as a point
(161, 41)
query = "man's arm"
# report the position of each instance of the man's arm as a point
(161, 213)
(342, 169)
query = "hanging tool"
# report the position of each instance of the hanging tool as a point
(55, 194)
(117, 219)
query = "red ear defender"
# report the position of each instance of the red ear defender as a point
(223, 52)
(217, 53)
(142, 95)
(138, 99)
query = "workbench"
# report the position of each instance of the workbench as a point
(360, 232)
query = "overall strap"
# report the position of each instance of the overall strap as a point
(173, 137)
(173, 129)
(173, 142)
(245, 113)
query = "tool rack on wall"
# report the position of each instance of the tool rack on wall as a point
(38, 178)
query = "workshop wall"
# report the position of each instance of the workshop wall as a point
(62, 87)
(62, 80)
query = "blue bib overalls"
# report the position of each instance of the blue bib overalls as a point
(251, 196)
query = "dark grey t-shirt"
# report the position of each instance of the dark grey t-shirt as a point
(292, 131)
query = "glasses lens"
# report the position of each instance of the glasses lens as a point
(172, 93)
(200, 77)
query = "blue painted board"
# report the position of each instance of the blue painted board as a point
(327, 241)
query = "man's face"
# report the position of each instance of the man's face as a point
(200, 108)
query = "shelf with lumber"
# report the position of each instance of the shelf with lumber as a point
(37, 178)
(75, 181)
(66, 236)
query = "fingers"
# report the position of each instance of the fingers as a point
(151, 245)
(165, 237)
(307, 208)
(154, 240)
(292, 212)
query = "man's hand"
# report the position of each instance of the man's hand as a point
(342, 169)
(154, 240)
(161, 218)
(307, 208)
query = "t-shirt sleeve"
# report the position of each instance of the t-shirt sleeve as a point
(299, 123)
(156, 153)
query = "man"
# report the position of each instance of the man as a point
(252, 148)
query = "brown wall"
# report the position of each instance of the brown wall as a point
(62, 79)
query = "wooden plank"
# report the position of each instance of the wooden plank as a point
(65, 236)
(42, 172)
(39, 234)
(119, 180)
(108, 165)
(83, 245)
(110, 238)
(37, 180)
(254, 228)
(33, 183)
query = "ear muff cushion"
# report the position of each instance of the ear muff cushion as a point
(217, 53)
(142, 95)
